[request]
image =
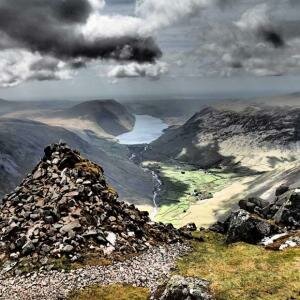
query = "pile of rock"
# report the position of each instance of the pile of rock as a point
(65, 207)
(258, 219)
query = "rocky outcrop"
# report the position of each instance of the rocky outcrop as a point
(258, 220)
(247, 228)
(65, 208)
(284, 210)
(183, 288)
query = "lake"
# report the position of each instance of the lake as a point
(146, 130)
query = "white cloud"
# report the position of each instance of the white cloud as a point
(97, 4)
(255, 18)
(20, 65)
(153, 71)
(107, 26)
(158, 14)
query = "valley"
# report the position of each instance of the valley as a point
(204, 161)
(149, 150)
(221, 155)
(182, 174)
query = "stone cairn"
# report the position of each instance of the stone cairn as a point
(66, 208)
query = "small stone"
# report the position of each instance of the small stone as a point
(112, 219)
(14, 255)
(49, 219)
(72, 194)
(34, 217)
(55, 161)
(28, 248)
(68, 249)
(111, 238)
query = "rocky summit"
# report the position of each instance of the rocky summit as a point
(66, 208)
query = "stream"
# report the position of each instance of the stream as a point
(146, 130)
(157, 183)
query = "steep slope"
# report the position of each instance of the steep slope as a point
(109, 115)
(256, 137)
(22, 142)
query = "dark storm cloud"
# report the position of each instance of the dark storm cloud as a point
(294, 2)
(272, 37)
(49, 27)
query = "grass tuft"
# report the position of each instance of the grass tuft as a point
(242, 271)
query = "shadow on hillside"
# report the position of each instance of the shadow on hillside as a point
(172, 191)
(205, 158)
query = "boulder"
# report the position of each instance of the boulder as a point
(288, 213)
(281, 190)
(183, 288)
(219, 227)
(244, 227)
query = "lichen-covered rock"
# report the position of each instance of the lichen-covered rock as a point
(183, 288)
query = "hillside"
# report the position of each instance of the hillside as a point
(109, 115)
(215, 136)
(221, 155)
(105, 118)
(22, 142)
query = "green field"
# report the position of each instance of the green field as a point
(181, 184)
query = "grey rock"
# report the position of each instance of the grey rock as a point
(244, 227)
(183, 288)
(28, 248)
(68, 249)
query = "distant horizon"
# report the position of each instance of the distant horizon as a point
(207, 89)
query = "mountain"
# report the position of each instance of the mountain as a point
(257, 137)
(109, 115)
(105, 118)
(22, 142)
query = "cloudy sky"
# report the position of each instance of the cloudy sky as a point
(73, 49)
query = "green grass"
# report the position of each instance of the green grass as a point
(111, 292)
(179, 184)
(242, 271)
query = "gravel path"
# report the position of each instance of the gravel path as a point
(145, 270)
